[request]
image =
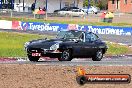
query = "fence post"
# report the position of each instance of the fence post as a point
(34, 16)
(71, 17)
(45, 15)
(84, 17)
(11, 13)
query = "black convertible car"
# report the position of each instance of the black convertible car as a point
(66, 46)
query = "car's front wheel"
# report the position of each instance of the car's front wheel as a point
(31, 58)
(98, 56)
(65, 56)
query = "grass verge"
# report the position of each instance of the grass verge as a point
(116, 49)
(12, 44)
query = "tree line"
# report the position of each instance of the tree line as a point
(102, 4)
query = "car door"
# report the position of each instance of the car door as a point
(73, 12)
(90, 44)
(78, 48)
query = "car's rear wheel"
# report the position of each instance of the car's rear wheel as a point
(98, 56)
(65, 56)
(31, 58)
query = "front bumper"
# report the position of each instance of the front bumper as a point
(43, 52)
(51, 51)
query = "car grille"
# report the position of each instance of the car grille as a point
(35, 50)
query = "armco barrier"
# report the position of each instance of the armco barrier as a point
(40, 26)
(5, 24)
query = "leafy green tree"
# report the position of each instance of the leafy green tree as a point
(91, 2)
(102, 4)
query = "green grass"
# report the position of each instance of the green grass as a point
(12, 44)
(67, 22)
(116, 49)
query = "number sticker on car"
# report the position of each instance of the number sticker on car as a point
(36, 54)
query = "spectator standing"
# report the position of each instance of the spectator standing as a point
(44, 9)
(33, 7)
(111, 16)
(107, 17)
(103, 17)
(39, 8)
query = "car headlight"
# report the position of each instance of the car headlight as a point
(54, 47)
(107, 46)
(26, 44)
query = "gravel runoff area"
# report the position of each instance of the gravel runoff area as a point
(44, 76)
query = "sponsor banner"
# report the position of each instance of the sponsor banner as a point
(109, 30)
(59, 27)
(43, 26)
(5, 24)
(16, 25)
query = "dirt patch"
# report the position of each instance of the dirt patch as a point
(40, 76)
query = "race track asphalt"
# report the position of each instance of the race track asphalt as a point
(106, 61)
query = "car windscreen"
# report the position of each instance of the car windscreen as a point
(69, 34)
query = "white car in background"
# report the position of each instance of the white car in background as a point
(91, 9)
(73, 12)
